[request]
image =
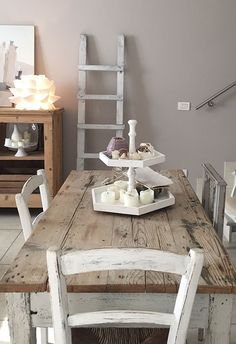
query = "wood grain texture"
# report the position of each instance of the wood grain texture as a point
(71, 222)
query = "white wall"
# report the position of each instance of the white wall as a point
(175, 50)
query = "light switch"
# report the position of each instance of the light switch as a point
(183, 106)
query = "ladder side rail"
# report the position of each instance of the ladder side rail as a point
(120, 83)
(81, 103)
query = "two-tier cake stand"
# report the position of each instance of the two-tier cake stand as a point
(161, 201)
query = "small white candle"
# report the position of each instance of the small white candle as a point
(108, 197)
(147, 196)
(115, 189)
(131, 198)
(122, 192)
(7, 142)
(121, 184)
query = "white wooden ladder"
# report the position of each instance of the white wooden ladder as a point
(83, 96)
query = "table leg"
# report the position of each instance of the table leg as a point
(19, 318)
(220, 312)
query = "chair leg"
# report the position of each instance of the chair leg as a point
(43, 335)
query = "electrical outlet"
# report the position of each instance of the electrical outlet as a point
(183, 106)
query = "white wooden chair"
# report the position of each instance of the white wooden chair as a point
(230, 201)
(34, 182)
(61, 264)
(213, 197)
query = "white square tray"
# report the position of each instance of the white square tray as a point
(118, 207)
(157, 159)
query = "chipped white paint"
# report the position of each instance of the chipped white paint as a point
(18, 309)
(219, 319)
(60, 265)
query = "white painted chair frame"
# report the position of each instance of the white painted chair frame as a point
(230, 202)
(79, 261)
(34, 182)
(213, 197)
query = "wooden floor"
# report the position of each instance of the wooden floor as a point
(11, 240)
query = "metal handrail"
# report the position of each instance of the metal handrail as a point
(217, 94)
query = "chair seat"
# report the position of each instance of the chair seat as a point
(119, 336)
(230, 207)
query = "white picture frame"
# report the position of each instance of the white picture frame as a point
(16, 57)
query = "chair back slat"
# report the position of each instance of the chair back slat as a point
(74, 262)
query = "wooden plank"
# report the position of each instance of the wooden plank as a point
(57, 152)
(14, 177)
(48, 151)
(188, 220)
(90, 155)
(93, 232)
(101, 126)
(101, 68)
(82, 96)
(8, 201)
(124, 235)
(7, 155)
(156, 230)
(50, 231)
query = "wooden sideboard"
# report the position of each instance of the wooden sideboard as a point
(14, 171)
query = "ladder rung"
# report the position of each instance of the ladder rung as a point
(101, 68)
(89, 156)
(101, 126)
(100, 97)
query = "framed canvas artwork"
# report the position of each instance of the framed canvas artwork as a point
(16, 57)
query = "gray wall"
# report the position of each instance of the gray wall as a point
(179, 50)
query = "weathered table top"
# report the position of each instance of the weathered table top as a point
(72, 222)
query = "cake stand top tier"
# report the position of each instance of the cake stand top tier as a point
(155, 158)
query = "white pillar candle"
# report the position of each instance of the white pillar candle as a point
(121, 184)
(115, 189)
(147, 196)
(108, 197)
(122, 192)
(131, 198)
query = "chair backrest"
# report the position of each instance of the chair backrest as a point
(79, 261)
(34, 182)
(213, 197)
(230, 178)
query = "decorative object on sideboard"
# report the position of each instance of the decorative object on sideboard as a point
(34, 92)
(22, 137)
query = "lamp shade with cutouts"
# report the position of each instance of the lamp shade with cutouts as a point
(34, 92)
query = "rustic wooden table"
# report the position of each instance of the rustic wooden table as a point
(72, 222)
